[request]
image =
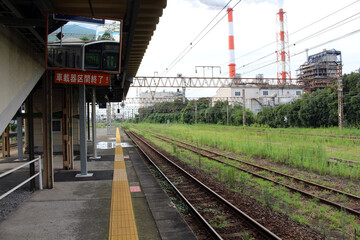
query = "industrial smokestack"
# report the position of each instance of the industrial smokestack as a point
(283, 51)
(282, 42)
(231, 43)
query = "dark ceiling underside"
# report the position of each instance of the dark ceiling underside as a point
(140, 17)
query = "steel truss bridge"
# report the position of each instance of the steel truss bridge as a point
(152, 83)
(138, 100)
(208, 82)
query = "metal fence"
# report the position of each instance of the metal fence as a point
(38, 174)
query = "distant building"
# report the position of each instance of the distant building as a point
(321, 70)
(148, 98)
(257, 97)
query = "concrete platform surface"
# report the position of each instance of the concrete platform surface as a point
(79, 208)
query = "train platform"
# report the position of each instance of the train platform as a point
(121, 201)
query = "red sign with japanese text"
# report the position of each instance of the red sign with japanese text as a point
(83, 78)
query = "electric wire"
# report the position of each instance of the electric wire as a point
(193, 45)
(190, 45)
(325, 17)
(329, 28)
(313, 47)
(309, 25)
(201, 38)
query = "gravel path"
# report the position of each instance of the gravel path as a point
(11, 202)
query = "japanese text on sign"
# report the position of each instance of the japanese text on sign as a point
(84, 78)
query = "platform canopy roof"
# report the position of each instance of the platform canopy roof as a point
(140, 17)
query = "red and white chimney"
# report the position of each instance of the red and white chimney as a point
(231, 43)
(283, 55)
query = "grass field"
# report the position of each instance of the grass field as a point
(300, 148)
(303, 149)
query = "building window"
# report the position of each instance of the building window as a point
(56, 125)
(298, 93)
(265, 93)
(237, 93)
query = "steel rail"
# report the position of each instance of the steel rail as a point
(272, 171)
(207, 225)
(12, 145)
(339, 206)
(266, 169)
(262, 230)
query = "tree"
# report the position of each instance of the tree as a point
(107, 36)
(351, 88)
(84, 39)
(293, 118)
(188, 114)
(266, 116)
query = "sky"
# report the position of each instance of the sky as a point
(255, 26)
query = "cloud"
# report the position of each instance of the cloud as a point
(210, 4)
(214, 4)
(279, 3)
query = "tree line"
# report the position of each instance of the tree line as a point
(318, 109)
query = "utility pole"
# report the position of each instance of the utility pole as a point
(19, 136)
(340, 103)
(196, 111)
(227, 111)
(244, 108)
(88, 120)
(93, 120)
(108, 117)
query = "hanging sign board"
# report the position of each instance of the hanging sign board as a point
(82, 78)
(83, 43)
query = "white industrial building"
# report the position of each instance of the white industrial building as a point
(148, 98)
(257, 97)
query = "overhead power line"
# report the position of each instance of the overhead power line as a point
(331, 27)
(313, 47)
(194, 42)
(299, 30)
(323, 18)
(186, 48)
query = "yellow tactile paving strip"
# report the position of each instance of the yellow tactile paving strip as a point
(122, 220)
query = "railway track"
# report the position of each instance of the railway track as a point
(221, 218)
(351, 203)
(12, 145)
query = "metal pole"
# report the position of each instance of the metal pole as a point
(31, 139)
(340, 104)
(19, 137)
(108, 117)
(40, 174)
(6, 142)
(227, 111)
(88, 120)
(196, 111)
(184, 89)
(82, 123)
(93, 118)
(244, 108)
